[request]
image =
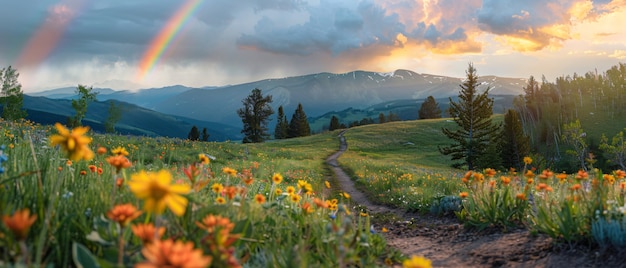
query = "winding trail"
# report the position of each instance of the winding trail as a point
(447, 243)
(347, 185)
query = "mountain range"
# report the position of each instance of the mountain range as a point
(321, 94)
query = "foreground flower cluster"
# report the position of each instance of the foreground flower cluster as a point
(120, 207)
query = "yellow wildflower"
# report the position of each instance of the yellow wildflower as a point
(277, 178)
(229, 171)
(119, 151)
(73, 142)
(528, 160)
(157, 192)
(417, 262)
(217, 188)
(203, 159)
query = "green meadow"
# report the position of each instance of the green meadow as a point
(273, 204)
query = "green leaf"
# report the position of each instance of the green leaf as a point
(83, 257)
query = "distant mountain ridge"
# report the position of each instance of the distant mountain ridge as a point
(319, 93)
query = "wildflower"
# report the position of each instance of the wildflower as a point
(101, 150)
(346, 209)
(620, 174)
(68, 163)
(123, 214)
(100, 170)
(277, 178)
(168, 253)
(92, 168)
(229, 171)
(278, 191)
(562, 177)
(302, 184)
(230, 191)
(478, 177)
(505, 180)
(203, 159)
(609, 178)
(83, 172)
(384, 230)
(582, 175)
(576, 187)
(521, 196)
(212, 222)
(528, 160)
(19, 223)
(546, 174)
(346, 195)
(259, 198)
(463, 194)
(119, 151)
(363, 214)
(307, 208)
(530, 181)
(118, 162)
(417, 262)
(320, 203)
(492, 183)
(217, 188)
(119, 182)
(295, 198)
(291, 190)
(622, 185)
(248, 180)
(490, 172)
(529, 174)
(146, 232)
(512, 171)
(541, 186)
(327, 184)
(73, 142)
(220, 200)
(157, 192)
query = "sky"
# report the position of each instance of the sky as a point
(135, 44)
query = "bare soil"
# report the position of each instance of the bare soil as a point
(447, 243)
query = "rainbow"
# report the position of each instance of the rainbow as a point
(164, 37)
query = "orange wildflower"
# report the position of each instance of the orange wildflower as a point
(118, 162)
(248, 180)
(610, 179)
(620, 174)
(92, 168)
(320, 203)
(230, 191)
(123, 214)
(490, 172)
(505, 180)
(576, 187)
(168, 253)
(464, 194)
(307, 208)
(546, 174)
(101, 150)
(19, 223)
(259, 198)
(530, 181)
(211, 222)
(146, 232)
(562, 177)
(541, 186)
(529, 174)
(119, 182)
(479, 177)
(582, 175)
(83, 172)
(492, 183)
(521, 196)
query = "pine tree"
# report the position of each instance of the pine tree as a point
(194, 134)
(299, 124)
(473, 116)
(334, 123)
(515, 144)
(254, 115)
(12, 94)
(381, 118)
(205, 135)
(85, 96)
(429, 109)
(280, 132)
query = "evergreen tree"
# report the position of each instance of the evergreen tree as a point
(282, 126)
(194, 134)
(334, 123)
(515, 145)
(381, 118)
(299, 124)
(391, 117)
(473, 116)
(115, 114)
(254, 115)
(85, 96)
(429, 109)
(12, 94)
(205, 135)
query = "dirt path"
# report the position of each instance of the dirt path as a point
(448, 244)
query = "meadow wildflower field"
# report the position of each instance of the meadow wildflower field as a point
(71, 197)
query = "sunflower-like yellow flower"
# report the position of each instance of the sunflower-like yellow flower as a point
(168, 253)
(229, 171)
(157, 192)
(19, 223)
(277, 178)
(417, 262)
(528, 160)
(120, 151)
(73, 142)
